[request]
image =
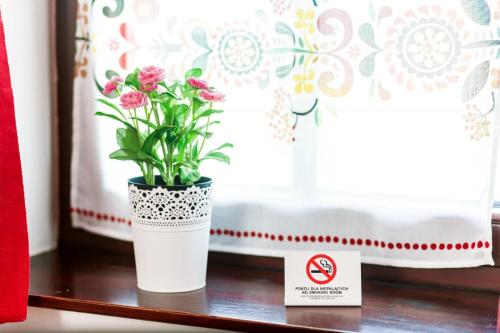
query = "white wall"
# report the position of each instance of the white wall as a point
(26, 24)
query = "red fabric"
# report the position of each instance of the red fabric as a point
(14, 257)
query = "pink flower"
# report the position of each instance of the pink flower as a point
(197, 83)
(133, 100)
(112, 85)
(149, 77)
(212, 96)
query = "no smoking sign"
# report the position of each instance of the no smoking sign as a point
(321, 269)
(323, 278)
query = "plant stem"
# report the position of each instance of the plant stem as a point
(206, 129)
(163, 148)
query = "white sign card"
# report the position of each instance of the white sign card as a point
(326, 278)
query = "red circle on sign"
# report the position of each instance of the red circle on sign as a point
(324, 274)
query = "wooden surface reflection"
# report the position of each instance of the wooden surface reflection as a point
(249, 299)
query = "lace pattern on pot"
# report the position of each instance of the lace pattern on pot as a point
(162, 210)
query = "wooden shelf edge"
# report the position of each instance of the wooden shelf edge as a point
(164, 316)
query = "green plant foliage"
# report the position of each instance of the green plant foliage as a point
(167, 136)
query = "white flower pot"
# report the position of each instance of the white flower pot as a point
(171, 229)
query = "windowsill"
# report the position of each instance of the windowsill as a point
(249, 299)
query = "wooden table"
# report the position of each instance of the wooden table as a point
(250, 299)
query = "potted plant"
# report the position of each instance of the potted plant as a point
(163, 130)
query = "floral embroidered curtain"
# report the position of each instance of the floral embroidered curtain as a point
(358, 125)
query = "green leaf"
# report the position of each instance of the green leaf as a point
(181, 113)
(193, 72)
(217, 155)
(189, 175)
(197, 103)
(145, 122)
(112, 116)
(136, 156)
(132, 79)
(165, 96)
(194, 152)
(111, 105)
(154, 137)
(208, 112)
(123, 155)
(195, 132)
(225, 145)
(128, 139)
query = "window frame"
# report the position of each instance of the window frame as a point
(71, 238)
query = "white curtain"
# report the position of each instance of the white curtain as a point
(357, 125)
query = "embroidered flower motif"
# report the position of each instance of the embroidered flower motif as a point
(133, 100)
(305, 20)
(425, 48)
(303, 82)
(212, 96)
(239, 53)
(112, 85)
(197, 83)
(149, 77)
(281, 119)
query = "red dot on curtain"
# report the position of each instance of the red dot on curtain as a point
(442, 246)
(423, 247)
(297, 238)
(368, 242)
(352, 241)
(472, 245)
(273, 237)
(486, 244)
(344, 241)
(328, 239)
(479, 244)
(449, 246)
(305, 238)
(312, 238)
(280, 238)
(382, 244)
(433, 246)
(335, 239)
(465, 246)
(359, 241)
(407, 246)
(245, 234)
(390, 246)
(290, 238)
(320, 239)
(458, 246)
(416, 246)
(375, 243)
(399, 245)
